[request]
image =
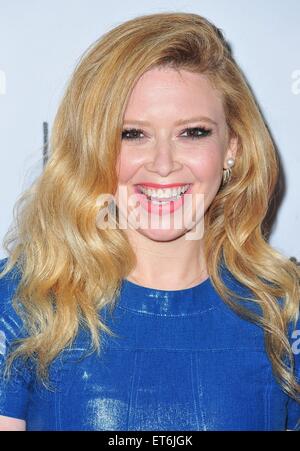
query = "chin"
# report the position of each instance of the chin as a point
(161, 234)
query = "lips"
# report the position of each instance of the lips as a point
(158, 185)
(160, 206)
(155, 196)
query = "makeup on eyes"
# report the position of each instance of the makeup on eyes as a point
(198, 132)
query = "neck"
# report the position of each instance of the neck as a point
(167, 265)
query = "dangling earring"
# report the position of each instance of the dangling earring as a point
(227, 172)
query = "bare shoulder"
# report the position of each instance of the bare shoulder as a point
(12, 424)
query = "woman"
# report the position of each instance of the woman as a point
(162, 324)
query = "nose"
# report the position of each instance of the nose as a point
(163, 159)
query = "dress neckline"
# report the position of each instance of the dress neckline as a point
(153, 301)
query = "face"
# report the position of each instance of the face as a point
(174, 134)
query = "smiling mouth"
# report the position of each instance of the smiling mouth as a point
(163, 195)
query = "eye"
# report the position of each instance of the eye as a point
(193, 133)
(131, 133)
(197, 132)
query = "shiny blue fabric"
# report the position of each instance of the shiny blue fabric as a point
(181, 361)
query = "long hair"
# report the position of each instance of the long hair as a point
(71, 269)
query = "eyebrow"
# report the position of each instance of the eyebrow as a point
(180, 122)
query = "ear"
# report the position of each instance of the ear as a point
(231, 150)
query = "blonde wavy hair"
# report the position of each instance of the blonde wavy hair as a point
(71, 269)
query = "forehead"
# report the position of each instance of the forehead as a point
(174, 92)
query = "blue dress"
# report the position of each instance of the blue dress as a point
(182, 361)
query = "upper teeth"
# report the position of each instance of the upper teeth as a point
(164, 193)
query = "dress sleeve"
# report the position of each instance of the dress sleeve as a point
(14, 391)
(293, 406)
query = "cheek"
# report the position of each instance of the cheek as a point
(207, 165)
(126, 167)
(207, 170)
